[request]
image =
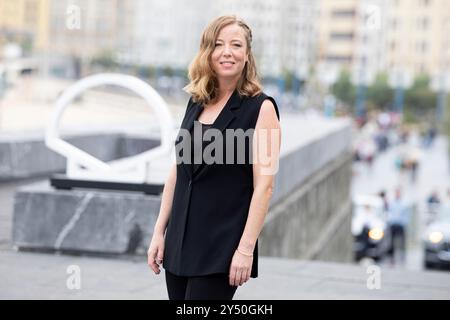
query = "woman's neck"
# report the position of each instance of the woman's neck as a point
(226, 88)
(223, 95)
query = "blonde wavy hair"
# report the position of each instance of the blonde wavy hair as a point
(203, 85)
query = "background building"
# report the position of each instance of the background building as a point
(418, 41)
(80, 31)
(404, 37)
(284, 34)
(25, 21)
(369, 55)
(337, 25)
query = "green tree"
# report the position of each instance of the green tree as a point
(146, 71)
(420, 101)
(168, 71)
(379, 93)
(288, 77)
(343, 89)
(27, 44)
(105, 59)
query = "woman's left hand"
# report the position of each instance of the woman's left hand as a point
(240, 269)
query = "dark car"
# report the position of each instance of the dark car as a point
(437, 240)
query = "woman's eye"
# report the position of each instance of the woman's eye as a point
(217, 44)
(237, 45)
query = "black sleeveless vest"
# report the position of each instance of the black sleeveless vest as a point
(211, 202)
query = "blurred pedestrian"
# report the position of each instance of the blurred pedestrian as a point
(431, 135)
(383, 196)
(428, 137)
(414, 156)
(404, 135)
(433, 198)
(398, 217)
(414, 167)
(433, 204)
(367, 151)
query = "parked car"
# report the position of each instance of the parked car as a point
(437, 239)
(371, 234)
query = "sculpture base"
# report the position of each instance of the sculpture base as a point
(83, 220)
(60, 181)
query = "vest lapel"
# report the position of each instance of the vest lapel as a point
(222, 121)
(188, 124)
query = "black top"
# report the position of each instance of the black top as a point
(211, 202)
(204, 126)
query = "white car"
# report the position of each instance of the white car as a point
(371, 233)
(437, 239)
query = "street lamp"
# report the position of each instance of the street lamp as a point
(444, 84)
(399, 79)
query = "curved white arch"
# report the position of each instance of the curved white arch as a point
(131, 169)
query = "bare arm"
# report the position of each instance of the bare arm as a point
(155, 252)
(266, 148)
(166, 201)
(266, 154)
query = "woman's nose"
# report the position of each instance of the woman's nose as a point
(226, 50)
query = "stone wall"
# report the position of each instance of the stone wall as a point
(89, 221)
(28, 156)
(313, 222)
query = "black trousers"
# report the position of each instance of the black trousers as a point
(209, 287)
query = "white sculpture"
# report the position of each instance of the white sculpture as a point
(135, 169)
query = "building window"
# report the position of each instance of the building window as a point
(423, 23)
(343, 13)
(394, 24)
(424, 46)
(338, 58)
(341, 36)
(422, 68)
(393, 45)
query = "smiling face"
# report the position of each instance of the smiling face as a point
(230, 52)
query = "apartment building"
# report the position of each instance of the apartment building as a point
(25, 21)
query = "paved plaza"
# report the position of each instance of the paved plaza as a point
(46, 276)
(38, 275)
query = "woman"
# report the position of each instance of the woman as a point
(212, 212)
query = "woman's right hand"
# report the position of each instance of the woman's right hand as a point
(155, 252)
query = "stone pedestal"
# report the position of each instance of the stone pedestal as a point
(83, 220)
